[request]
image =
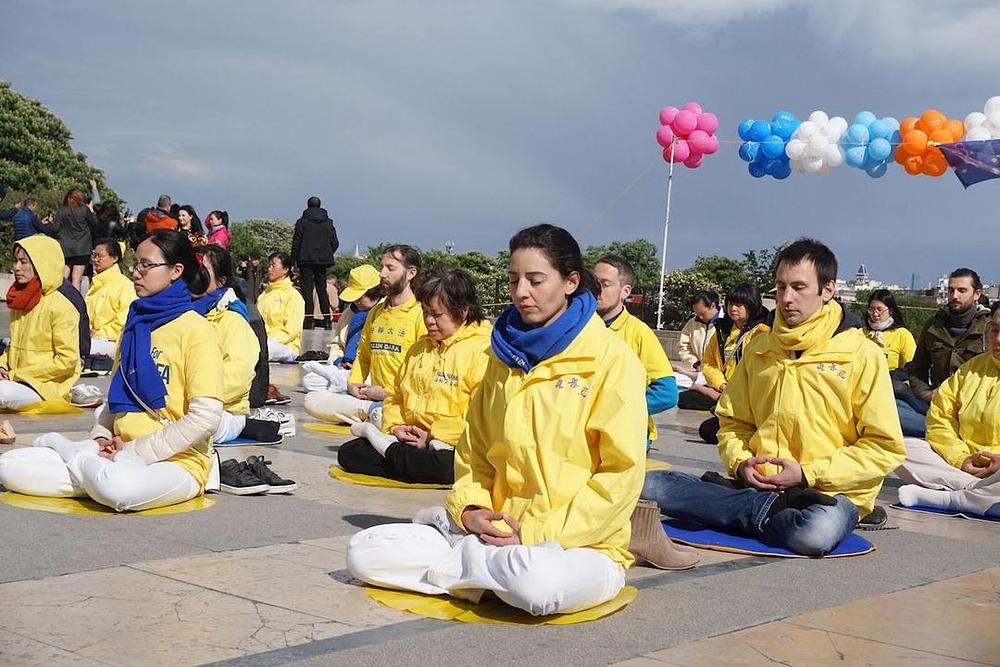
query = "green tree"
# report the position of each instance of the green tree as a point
(759, 267)
(723, 271)
(640, 253)
(916, 308)
(678, 288)
(342, 266)
(261, 235)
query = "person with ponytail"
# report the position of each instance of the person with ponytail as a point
(151, 447)
(549, 467)
(108, 299)
(283, 310)
(218, 226)
(43, 359)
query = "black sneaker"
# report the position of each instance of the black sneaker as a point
(258, 466)
(875, 520)
(236, 478)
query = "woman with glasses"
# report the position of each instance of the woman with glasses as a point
(885, 326)
(151, 446)
(108, 299)
(283, 310)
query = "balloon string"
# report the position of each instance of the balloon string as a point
(614, 202)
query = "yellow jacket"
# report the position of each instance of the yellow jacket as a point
(562, 448)
(713, 367)
(283, 310)
(436, 383)
(693, 342)
(44, 350)
(648, 348)
(964, 417)
(240, 352)
(386, 338)
(897, 344)
(832, 409)
(108, 299)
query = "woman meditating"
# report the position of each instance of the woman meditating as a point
(550, 464)
(283, 310)
(425, 416)
(110, 294)
(43, 359)
(150, 448)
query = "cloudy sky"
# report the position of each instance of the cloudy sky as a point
(428, 121)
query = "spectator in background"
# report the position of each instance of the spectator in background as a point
(73, 223)
(331, 293)
(26, 222)
(314, 244)
(696, 332)
(7, 213)
(152, 218)
(218, 228)
(253, 274)
(191, 225)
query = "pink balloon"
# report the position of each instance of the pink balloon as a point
(698, 140)
(708, 122)
(693, 107)
(664, 136)
(682, 151)
(667, 115)
(684, 123)
(693, 161)
(711, 145)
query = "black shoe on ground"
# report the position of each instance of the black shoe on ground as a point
(258, 466)
(308, 323)
(236, 478)
(875, 520)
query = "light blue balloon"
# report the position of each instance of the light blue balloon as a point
(857, 135)
(773, 147)
(744, 130)
(878, 129)
(749, 150)
(891, 123)
(880, 149)
(865, 118)
(760, 130)
(855, 156)
(877, 170)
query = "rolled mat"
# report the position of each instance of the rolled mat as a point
(490, 609)
(716, 539)
(249, 442)
(47, 408)
(90, 507)
(372, 480)
(923, 509)
(323, 427)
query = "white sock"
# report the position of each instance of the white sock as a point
(913, 494)
(379, 440)
(66, 449)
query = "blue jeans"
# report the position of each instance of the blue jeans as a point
(814, 531)
(913, 421)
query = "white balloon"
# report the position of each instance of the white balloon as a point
(833, 156)
(840, 123)
(832, 131)
(992, 105)
(814, 150)
(806, 130)
(993, 122)
(974, 119)
(813, 166)
(794, 149)
(978, 134)
(796, 166)
(819, 117)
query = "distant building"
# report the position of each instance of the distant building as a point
(847, 289)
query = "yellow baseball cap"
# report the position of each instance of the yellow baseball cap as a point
(360, 280)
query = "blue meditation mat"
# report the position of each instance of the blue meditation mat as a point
(940, 512)
(244, 442)
(716, 539)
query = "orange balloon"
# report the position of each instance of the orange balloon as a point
(908, 124)
(914, 142)
(941, 136)
(932, 119)
(900, 156)
(913, 165)
(934, 165)
(957, 128)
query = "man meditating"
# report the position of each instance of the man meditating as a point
(807, 425)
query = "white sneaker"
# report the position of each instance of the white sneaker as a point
(86, 395)
(286, 420)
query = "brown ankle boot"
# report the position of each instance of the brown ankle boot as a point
(650, 544)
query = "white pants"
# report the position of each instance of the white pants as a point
(230, 427)
(342, 408)
(335, 380)
(969, 493)
(14, 395)
(125, 484)
(541, 580)
(103, 346)
(279, 351)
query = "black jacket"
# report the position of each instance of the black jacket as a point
(315, 238)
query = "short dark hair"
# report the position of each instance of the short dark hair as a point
(376, 293)
(111, 247)
(164, 202)
(457, 291)
(626, 274)
(705, 297)
(819, 254)
(745, 294)
(408, 255)
(560, 248)
(29, 201)
(967, 273)
(886, 297)
(283, 257)
(313, 202)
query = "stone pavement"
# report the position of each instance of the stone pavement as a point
(261, 581)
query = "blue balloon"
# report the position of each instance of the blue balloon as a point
(891, 123)
(857, 135)
(757, 169)
(855, 156)
(783, 116)
(744, 130)
(773, 147)
(782, 171)
(879, 129)
(784, 127)
(760, 130)
(865, 118)
(880, 149)
(877, 170)
(749, 150)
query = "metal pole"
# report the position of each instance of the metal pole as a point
(666, 228)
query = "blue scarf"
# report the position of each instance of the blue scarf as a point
(520, 346)
(211, 300)
(136, 363)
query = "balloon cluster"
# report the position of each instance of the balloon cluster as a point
(868, 143)
(815, 145)
(764, 144)
(917, 151)
(985, 125)
(687, 134)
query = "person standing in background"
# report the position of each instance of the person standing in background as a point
(73, 223)
(314, 244)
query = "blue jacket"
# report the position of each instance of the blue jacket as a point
(26, 223)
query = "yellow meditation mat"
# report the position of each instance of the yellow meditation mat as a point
(491, 609)
(91, 507)
(323, 427)
(47, 408)
(372, 480)
(656, 464)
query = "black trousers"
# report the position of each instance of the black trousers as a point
(693, 400)
(262, 372)
(401, 462)
(313, 276)
(709, 430)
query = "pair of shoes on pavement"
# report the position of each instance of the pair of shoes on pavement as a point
(86, 396)
(252, 477)
(286, 420)
(275, 397)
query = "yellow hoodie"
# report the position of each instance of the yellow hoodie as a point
(831, 409)
(964, 417)
(648, 348)
(562, 448)
(436, 383)
(240, 351)
(715, 370)
(108, 299)
(44, 351)
(283, 310)
(387, 336)
(897, 345)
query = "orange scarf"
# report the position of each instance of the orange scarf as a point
(24, 297)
